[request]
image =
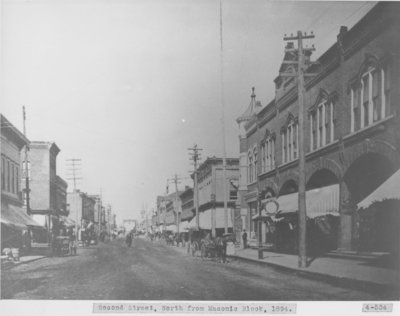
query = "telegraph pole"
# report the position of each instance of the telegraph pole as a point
(223, 123)
(27, 190)
(195, 156)
(301, 67)
(74, 165)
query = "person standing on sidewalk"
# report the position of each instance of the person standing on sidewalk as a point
(244, 237)
(72, 242)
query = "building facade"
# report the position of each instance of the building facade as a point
(187, 209)
(14, 218)
(82, 211)
(211, 186)
(97, 213)
(47, 190)
(351, 132)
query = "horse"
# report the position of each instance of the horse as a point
(170, 240)
(216, 246)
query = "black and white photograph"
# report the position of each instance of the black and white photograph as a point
(224, 151)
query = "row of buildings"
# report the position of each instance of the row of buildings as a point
(49, 209)
(352, 144)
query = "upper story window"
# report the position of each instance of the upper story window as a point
(9, 176)
(252, 165)
(370, 95)
(268, 153)
(322, 125)
(3, 173)
(24, 173)
(290, 137)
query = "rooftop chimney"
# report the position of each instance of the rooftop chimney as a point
(343, 30)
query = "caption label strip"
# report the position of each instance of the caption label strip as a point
(204, 308)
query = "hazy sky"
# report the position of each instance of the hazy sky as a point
(128, 86)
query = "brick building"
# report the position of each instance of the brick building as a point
(47, 190)
(14, 217)
(351, 135)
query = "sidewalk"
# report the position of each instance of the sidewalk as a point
(37, 252)
(355, 271)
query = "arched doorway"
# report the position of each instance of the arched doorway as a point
(374, 228)
(323, 220)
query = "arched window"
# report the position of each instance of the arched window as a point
(289, 134)
(255, 170)
(322, 121)
(250, 167)
(370, 94)
(268, 152)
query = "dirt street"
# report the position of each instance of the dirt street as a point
(152, 271)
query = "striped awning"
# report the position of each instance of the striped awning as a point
(320, 201)
(68, 222)
(387, 190)
(14, 216)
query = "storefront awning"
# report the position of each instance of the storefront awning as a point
(16, 217)
(387, 190)
(321, 201)
(171, 228)
(68, 222)
(183, 226)
(264, 216)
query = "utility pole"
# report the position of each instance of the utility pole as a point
(27, 190)
(195, 156)
(74, 166)
(224, 189)
(301, 67)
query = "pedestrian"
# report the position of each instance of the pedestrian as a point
(129, 240)
(244, 237)
(72, 242)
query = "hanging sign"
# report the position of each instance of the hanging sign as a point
(271, 206)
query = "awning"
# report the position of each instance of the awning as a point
(205, 219)
(387, 190)
(16, 217)
(320, 201)
(171, 228)
(264, 215)
(187, 214)
(183, 226)
(68, 222)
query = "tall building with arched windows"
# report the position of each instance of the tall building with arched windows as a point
(352, 141)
